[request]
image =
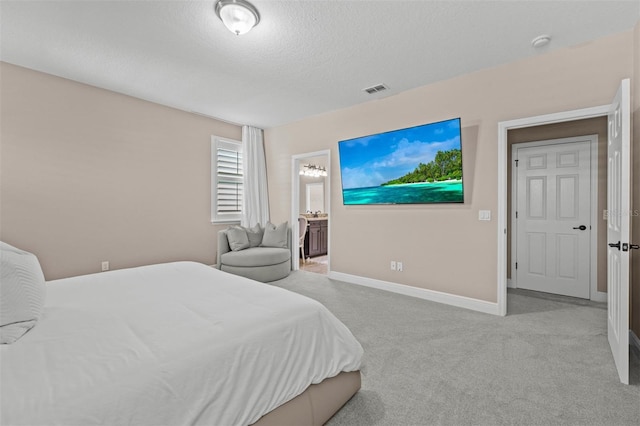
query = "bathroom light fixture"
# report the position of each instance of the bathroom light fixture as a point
(313, 171)
(239, 16)
(541, 40)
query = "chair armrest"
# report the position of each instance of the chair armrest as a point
(223, 247)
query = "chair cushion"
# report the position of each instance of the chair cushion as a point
(238, 239)
(275, 236)
(256, 256)
(255, 235)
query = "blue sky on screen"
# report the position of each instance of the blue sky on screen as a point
(372, 160)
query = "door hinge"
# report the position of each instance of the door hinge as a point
(516, 215)
(516, 265)
(517, 163)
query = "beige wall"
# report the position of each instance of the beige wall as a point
(635, 257)
(594, 126)
(89, 175)
(445, 247)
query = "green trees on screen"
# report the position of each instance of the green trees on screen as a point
(445, 166)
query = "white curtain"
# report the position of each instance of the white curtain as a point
(255, 202)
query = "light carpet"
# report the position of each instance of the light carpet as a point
(547, 362)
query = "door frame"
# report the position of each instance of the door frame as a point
(296, 160)
(594, 294)
(503, 128)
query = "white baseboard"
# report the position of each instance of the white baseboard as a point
(421, 293)
(510, 283)
(599, 297)
(634, 340)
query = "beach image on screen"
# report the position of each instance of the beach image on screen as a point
(421, 164)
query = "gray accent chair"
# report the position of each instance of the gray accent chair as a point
(263, 264)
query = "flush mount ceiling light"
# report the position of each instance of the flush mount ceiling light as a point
(239, 16)
(541, 40)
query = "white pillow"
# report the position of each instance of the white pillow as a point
(22, 292)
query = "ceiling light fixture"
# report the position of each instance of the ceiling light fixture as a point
(541, 40)
(313, 171)
(239, 16)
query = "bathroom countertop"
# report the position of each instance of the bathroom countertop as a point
(321, 216)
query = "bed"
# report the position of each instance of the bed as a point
(177, 344)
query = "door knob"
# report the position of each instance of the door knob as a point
(581, 227)
(615, 245)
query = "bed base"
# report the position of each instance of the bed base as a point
(317, 404)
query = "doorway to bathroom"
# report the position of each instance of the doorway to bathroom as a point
(310, 201)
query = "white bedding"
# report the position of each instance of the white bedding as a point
(171, 344)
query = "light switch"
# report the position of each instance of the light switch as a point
(484, 215)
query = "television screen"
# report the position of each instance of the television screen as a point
(421, 164)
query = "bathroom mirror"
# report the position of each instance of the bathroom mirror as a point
(315, 197)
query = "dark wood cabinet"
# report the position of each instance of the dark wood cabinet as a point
(316, 240)
(324, 237)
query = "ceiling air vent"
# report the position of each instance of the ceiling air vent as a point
(375, 89)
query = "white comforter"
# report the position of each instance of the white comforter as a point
(171, 344)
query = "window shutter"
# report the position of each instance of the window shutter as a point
(228, 181)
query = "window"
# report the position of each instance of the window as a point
(226, 180)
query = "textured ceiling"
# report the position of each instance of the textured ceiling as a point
(305, 57)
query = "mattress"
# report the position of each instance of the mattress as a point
(170, 344)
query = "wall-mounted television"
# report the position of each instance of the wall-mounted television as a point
(416, 165)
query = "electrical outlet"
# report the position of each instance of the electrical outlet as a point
(399, 266)
(105, 265)
(393, 265)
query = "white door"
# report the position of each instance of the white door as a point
(554, 218)
(618, 232)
